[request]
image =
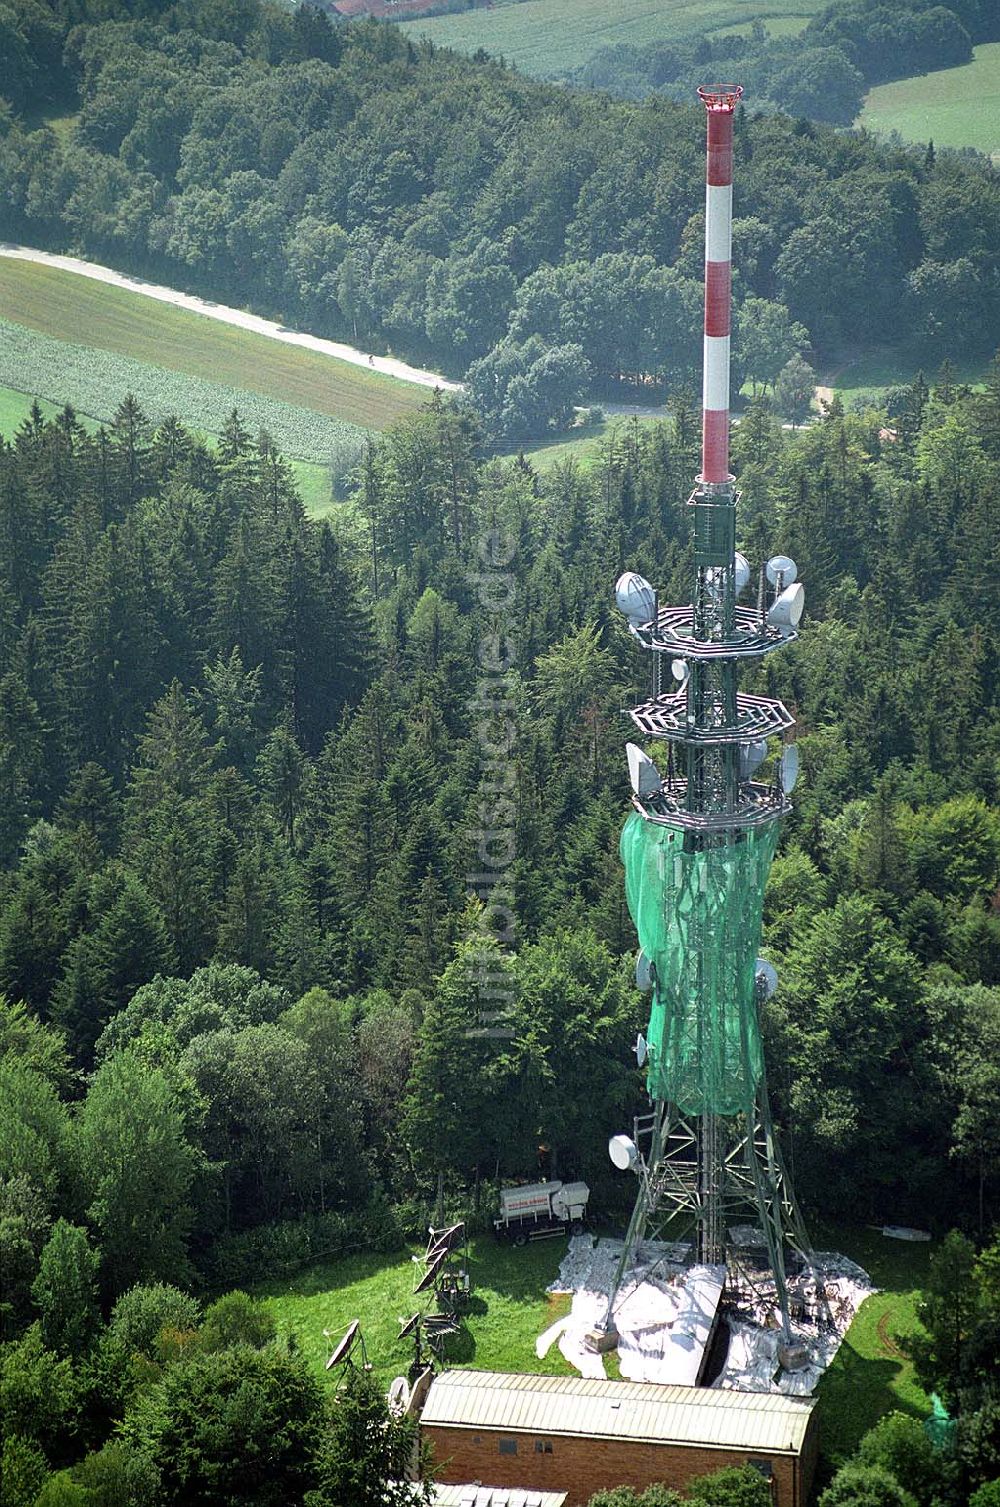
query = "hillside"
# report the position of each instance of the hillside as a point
(451, 210)
(550, 38)
(66, 306)
(955, 107)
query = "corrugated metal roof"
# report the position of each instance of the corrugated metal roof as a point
(494, 1496)
(762, 1421)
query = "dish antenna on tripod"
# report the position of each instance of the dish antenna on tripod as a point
(345, 1345)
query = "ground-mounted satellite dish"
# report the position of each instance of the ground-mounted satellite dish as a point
(645, 973)
(635, 598)
(643, 773)
(623, 1152)
(789, 768)
(787, 608)
(441, 1242)
(433, 1267)
(641, 1049)
(741, 572)
(407, 1326)
(343, 1348)
(399, 1396)
(781, 571)
(680, 670)
(765, 977)
(752, 755)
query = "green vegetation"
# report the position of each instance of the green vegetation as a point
(362, 189)
(509, 1308)
(872, 1375)
(55, 302)
(313, 480)
(88, 378)
(549, 37)
(957, 107)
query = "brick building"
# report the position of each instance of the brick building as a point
(572, 1434)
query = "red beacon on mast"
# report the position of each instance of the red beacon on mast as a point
(720, 101)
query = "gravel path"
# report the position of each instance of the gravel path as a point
(387, 365)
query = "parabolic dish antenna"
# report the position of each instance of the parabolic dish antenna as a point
(752, 755)
(645, 973)
(741, 575)
(635, 598)
(680, 670)
(787, 609)
(623, 1152)
(641, 1049)
(765, 977)
(408, 1325)
(345, 1346)
(643, 773)
(789, 768)
(781, 570)
(433, 1267)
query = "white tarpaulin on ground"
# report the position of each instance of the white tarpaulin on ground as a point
(664, 1312)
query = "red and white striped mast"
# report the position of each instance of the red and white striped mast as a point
(720, 103)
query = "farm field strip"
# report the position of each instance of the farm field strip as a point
(95, 381)
(956, 107)
(546, 37)
(55, 301)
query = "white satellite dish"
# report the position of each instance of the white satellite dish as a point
(741, 577)
(643, 773)
(789, 768)
(623, 1152)
(781, 570)
(635, 598)
(680, 670)
(751, 756)
(787, 609)
(641, 1049)
(645, 973)
(765, 977)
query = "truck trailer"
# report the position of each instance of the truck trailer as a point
(537, 1210)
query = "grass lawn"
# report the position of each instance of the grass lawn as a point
(870, 375)
(550, 37)
(67, 305)
(587, 447)
(509, 1308)
(870, 1375)
(956, 107)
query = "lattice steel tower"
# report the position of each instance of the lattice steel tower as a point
(698, 846)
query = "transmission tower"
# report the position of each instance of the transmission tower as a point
(698, 846)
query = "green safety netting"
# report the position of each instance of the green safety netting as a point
(698, 916)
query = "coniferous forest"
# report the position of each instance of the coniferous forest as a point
(244, 800)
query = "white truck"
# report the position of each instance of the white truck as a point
(536, 1210)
